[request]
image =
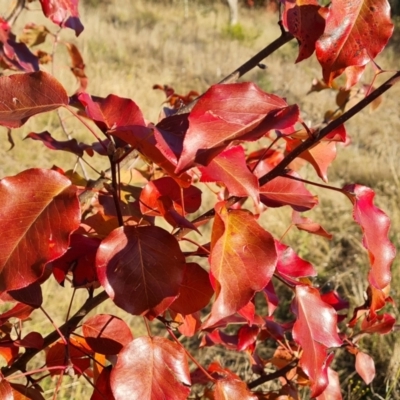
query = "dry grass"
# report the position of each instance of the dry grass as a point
(129, 46)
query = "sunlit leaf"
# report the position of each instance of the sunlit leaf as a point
(151, 368)
(243, 259)
(355, 33)
(232, 389)
(231, 112)
(25, 95)
(63, 13)
(315, 330)
(230, 168)
(39, 210)
(106, 334)
(375, 226)
(305, 20)
(365, 367)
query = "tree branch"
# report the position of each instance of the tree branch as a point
(253, 62)
(65, 329)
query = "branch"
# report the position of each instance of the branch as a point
(65, 330)
(253, 62)
(274, 375)
(280, 169)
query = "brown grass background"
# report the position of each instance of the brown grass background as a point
(128, 46)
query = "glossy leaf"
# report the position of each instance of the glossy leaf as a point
(355, 33)
(332, 391)
(365, 367)
(140, 268)
(39, 210)
(102, 388)
(290, 264)
(243, 259)
(19, 311)
(230, 168)
(315, 330)
(381, 324)
(151, 368)
(106, 334)
(232, 389)
(5, 390)
(247, 337)
(375, 226)
(64, 13)
(282, 191)
(231, 112)
(195, 290)
(308, 225)
(25, 95)
(320, 156)
(185, 200)
(305, 20)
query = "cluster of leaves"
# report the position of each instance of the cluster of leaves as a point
(106, 233)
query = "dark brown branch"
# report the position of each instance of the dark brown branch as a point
(66, 329)
(270, 377)
(313, 140)
(253, 62)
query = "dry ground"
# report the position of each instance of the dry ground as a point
(129, 46)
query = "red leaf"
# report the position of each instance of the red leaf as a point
(21, 392)
(63, 13)
(315, 330)
(112, 112)
(39, 210)
(76, 356)
(230, 168)
(140, 267)
(123, 118)
(106, 334)
(332, 391)
(232, 389)
(320, 156)
(290, 264)
(67, 145)
(8, 350)
(195, 291)
(191, 197)
(355, 33)
(305, 20)
(230, 112)
(20, 311)
(365, 367)
(247, 336)
(79, 259)
(25, 95)
(32, 340)
(151, 368)
(375, 226)
(102, 388)
(335, 300)
(381, 324)
(30, 295)
(306, 224)
(5, 389)
(282, 191)
(243, 259)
